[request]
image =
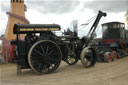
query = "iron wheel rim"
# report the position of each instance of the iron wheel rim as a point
(44, 57)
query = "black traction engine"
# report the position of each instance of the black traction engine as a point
(42, 49)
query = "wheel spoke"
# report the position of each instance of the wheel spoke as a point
(38, 52)
(35, 61)
(47, 50)
(53, 59)
(52, 47)
(50, 52)
(36, 57)
(39, 68)
(36, 64)
(42, 48)
(45, 68)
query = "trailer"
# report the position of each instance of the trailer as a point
(114, 42)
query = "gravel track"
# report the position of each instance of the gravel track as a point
(114, 73)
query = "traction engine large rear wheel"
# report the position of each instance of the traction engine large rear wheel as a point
(44, 57)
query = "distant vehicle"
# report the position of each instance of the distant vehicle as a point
(114, 43)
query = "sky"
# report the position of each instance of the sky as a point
(64, 11)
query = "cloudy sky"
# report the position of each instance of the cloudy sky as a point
(64, 11)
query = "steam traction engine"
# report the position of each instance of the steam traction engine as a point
(42, 50)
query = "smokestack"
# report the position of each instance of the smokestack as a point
(75, 27)
(16, 16)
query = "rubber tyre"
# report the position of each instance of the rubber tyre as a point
(114, 55)
(108, 57)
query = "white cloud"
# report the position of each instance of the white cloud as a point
(54, 6)
(114, 6)
(59, 13)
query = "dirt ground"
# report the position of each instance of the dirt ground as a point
(114, 73)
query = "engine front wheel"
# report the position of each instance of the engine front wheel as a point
(88, 57)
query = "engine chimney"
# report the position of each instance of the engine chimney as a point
(75, 28)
